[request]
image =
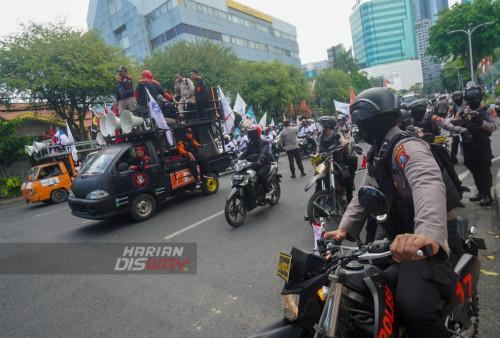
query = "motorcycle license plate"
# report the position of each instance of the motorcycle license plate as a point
(316, 159)
(284, 265)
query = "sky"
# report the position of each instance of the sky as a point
(320, 24)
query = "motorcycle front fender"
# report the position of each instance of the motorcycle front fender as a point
(232, 193)
(314, 179)
(280, 329)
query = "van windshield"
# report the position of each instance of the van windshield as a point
(100, 162)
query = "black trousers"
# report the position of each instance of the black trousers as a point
(295, 154)
(477, 158)
(204, 167)
(421, 287)
(454, 145)
(262, 175)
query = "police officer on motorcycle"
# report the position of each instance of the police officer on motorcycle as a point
(407, 173)
(257, 152)
(481, 122)
(329, 137)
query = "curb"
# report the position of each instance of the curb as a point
(496, 227)
(7, 201)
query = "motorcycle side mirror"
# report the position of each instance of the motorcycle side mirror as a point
(358, 150)
(374, 202)
(428, 137)
(122, 167)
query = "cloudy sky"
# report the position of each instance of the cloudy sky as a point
(320, 23)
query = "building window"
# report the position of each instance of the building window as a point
(121, 37)
(114, 6)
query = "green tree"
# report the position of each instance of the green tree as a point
(217, 64)
(344, 61)
(431, 87)
(66, 69)
(333, 84)
(484, 39)
(11, 147)
(360, 81)
(271, 86)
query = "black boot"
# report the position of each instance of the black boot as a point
(293, 174)
(302, 173)
(486, 200)
(476, 198)
(454, 159)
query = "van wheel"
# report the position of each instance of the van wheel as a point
(143, 207)
(210, 184)
(58, 196)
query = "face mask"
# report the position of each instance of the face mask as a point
(374, 129)
(459, 102)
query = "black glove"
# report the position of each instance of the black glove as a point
(255, 165)
(477, 119)
(466, 136)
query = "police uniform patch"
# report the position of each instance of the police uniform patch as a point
(401, 156)
(436, 118)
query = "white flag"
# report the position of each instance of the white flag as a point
(272, 122)
(341, 107)
(74, 153)
(263, 120)
(157, 115)
(239, 105)
(228, 113)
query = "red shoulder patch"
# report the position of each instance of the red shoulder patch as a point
(401, 156)
(436, 118)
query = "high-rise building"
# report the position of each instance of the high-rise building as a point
(331, 53)
(139, 27)
(426, 14)
(383, 31)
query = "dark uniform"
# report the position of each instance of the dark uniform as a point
(141, 163)
(201, 91)
(481, 122)
(190, 145)
(411, 178)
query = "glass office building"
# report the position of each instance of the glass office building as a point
(383, 31)
(140, 27)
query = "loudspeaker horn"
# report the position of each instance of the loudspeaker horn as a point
(112, 123)
(100, 139)
(129, 121)
(102, 125)
(37, 146)
(29, 150)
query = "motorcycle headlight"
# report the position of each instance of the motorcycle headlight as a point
(320, 168)
(97, 194)
(290, 306)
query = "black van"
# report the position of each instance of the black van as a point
(106, 187)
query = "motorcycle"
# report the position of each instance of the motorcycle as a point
(247, 193)
(343, 292)
(329, 202)
(355, 133)
(277, 148)
(306, 144)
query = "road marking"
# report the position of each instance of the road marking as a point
(48, 212)
(194, 225)
(495, 159)
(89, 220)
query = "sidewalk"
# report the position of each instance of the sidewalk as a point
(7, 201)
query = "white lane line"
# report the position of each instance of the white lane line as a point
(89, 220)
(49, 212)
(194, 225)
(464, 174)
(495, 159)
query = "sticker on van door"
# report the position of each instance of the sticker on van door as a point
(50, 181)
(180, 178)
(140, 180)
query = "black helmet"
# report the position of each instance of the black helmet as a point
(418, 109)
(375, 111)
(254, 132)
(458, 98)
(341, 118)
(473, 96)
(405, 119)
(327, 122)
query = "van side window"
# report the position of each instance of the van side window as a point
(50, 171)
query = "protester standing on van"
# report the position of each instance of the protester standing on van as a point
(185, 89)
(125, 91)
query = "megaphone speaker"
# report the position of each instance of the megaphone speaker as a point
(100, 139)
(37, 146)
(102, 125)
(29, 150)
(112, 123)
(129, 121)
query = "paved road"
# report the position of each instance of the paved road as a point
(234, 292)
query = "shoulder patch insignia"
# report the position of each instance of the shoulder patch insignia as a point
(436, 118)
(401, 156)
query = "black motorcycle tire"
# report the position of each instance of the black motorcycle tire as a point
(323, 197)
(231, 214)
(276, 195)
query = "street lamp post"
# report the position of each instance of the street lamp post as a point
(469, 34)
